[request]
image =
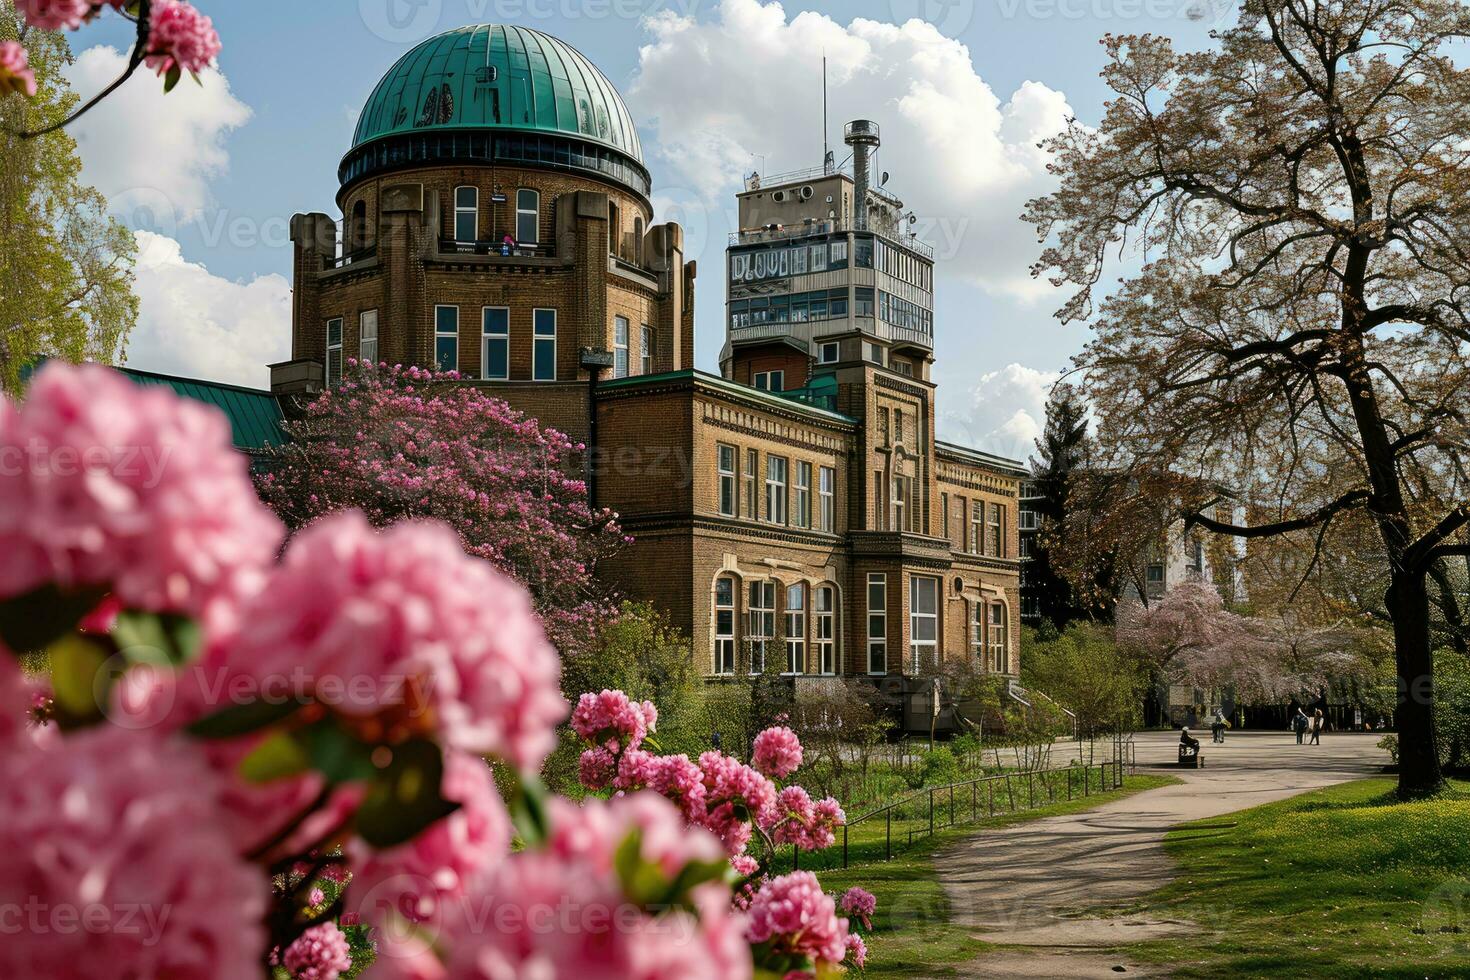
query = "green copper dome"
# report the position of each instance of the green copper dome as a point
(495, 77)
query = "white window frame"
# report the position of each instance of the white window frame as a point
(979, 625)
(621, 327)
(827, 499)
(538, 338)
(877, 621)
(499, 337)
(996, 531)
(770, 380)
(331, 348)
(761, 622)
(470, 210)
(365, 319)
(440, 333)
(728, 486)
(917, 647)
(645, 349)
(724, 651)
(534, 211)
(1028, 518)
(795, 629)
(831, 347)
(824, 628)
(803, 494)
(999, 622)
(777, 474)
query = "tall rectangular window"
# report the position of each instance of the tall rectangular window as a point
(495, 343)
(724, 626)
(997, 531)
(877, 623)
(334, 352)
(923, 621)
(796, 629)
(762, 623)
(446, 337)
(803, 494)
(543, 354)
(776, 489)
(528, 217)
(977, 631)
(900, 503)
(466, 214)
(824, 628)
(645, 350)
(620, 347)
(999, 638)
(367, 337)
(827, 499)
(977, 527)
(726, 466)
(752, 495)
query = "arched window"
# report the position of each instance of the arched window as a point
(357, 228)
(796, 629)
(824, 628)
(724, 625)
(466, 214)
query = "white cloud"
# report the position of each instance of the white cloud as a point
(718, 94)
(153, 154)
(200, 325)
(1005, 412)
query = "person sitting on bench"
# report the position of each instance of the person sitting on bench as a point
(1188, 748)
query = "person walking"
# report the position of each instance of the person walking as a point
(1299, 724)
(1218, 724)
(1319, 722)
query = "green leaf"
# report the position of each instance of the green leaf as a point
(172, 78)
(336, 754)
(243, 719)
(528, 809)
(406, 798)
(278, 756)
(80, 681)
(164, 639)
(39, 618)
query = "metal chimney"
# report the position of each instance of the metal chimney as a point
(862, 136)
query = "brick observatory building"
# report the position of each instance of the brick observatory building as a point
(798, 506)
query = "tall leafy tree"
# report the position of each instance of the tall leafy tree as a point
(1299, 328)
(1060, 451)
(66, 267)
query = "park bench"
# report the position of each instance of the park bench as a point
(1191, 758)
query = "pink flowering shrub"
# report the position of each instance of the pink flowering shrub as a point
(860, 904)
(399, 443)
(612, 721)
(794, 923)
(15, 69)
(129, 490)
(55, 15)
(124, 827)
(776, 752)
(182, 39)
(320, 953)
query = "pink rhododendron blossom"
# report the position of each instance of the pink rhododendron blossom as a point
(15, 69)
(776, 752)
(121, 822)
(735, 794)
(180, 36)
(597, 932)
(415, 879)
(795, 819)
(320, 953)
(860, 904)
(315, 897)
(857, 950)
(127, 489)
(611, 719)
(55, 15)
(596, 768)
(796, 917)
(403, 627)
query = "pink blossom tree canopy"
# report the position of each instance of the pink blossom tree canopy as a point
(400, 443)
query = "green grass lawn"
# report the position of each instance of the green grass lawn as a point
(912, 931)
(1343, 882)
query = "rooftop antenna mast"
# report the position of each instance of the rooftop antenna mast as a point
(826, 154)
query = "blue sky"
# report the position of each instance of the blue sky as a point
(962, 89)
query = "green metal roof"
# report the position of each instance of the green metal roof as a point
(255, 416)
(458, 81)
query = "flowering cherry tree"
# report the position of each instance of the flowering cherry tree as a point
(172, 38)
(251, 765)
(401, 443)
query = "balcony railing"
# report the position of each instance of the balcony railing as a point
(827, 226)
(451, 247)
(350, 258)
